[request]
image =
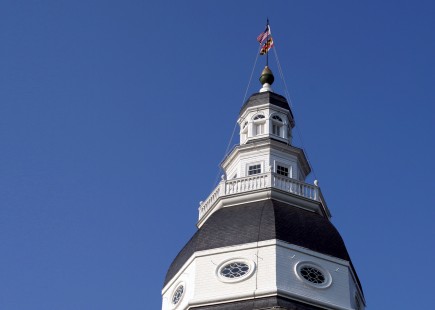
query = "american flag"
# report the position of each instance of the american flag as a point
(263, 36)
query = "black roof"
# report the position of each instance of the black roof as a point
(260, 221)
(266, 97)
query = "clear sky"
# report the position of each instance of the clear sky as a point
(115, 115)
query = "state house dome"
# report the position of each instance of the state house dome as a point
(260, 221)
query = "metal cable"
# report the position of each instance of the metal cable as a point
(235, 125)
(298, 132)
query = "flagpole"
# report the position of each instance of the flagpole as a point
(267, 39)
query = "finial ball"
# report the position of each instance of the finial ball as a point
(267, 76)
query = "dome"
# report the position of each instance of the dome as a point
(260, 221)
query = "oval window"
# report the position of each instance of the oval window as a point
(178, 294)
(235, 270)
(313, 274)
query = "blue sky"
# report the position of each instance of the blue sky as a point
(114, 117)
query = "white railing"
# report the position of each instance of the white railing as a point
(204, 206)
(295, 187)
(250, 183)
(259, 181)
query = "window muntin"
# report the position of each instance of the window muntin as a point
(234, 270)
(277, 126)
(282, 170)
(259, 129)
(259, 121)
(254, 169)
(276, 117)
(312, 274)
(276, 129)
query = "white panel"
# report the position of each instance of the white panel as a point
(274, 274)
(188, 280)
(337, 294)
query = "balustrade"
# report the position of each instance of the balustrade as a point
(256, 182)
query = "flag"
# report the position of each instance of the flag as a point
(267, 46)
(263, 36)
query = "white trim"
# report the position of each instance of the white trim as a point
(253, 245)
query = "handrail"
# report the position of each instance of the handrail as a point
(256, 182)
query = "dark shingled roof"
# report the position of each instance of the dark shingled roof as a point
(266, 97)
(259, 221)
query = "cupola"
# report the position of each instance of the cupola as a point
(266, 114)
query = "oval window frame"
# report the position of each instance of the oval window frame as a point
(246, 276)
(173, 306)
(326, 274)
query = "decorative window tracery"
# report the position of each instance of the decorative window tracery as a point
(178, 294)
(312, 275)
(234, 270)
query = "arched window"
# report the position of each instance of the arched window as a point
(277, 126)
(244, 131)
(259, 121)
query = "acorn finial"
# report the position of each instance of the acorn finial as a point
(266, 79)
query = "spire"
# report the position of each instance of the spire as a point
(266, 79)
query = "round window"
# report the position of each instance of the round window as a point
(178, 294)
(235, 270)
(313, 274)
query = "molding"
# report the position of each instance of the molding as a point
(265, 106)
(293, 200)
(267, 144)
(255, 245)
(313, 302)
